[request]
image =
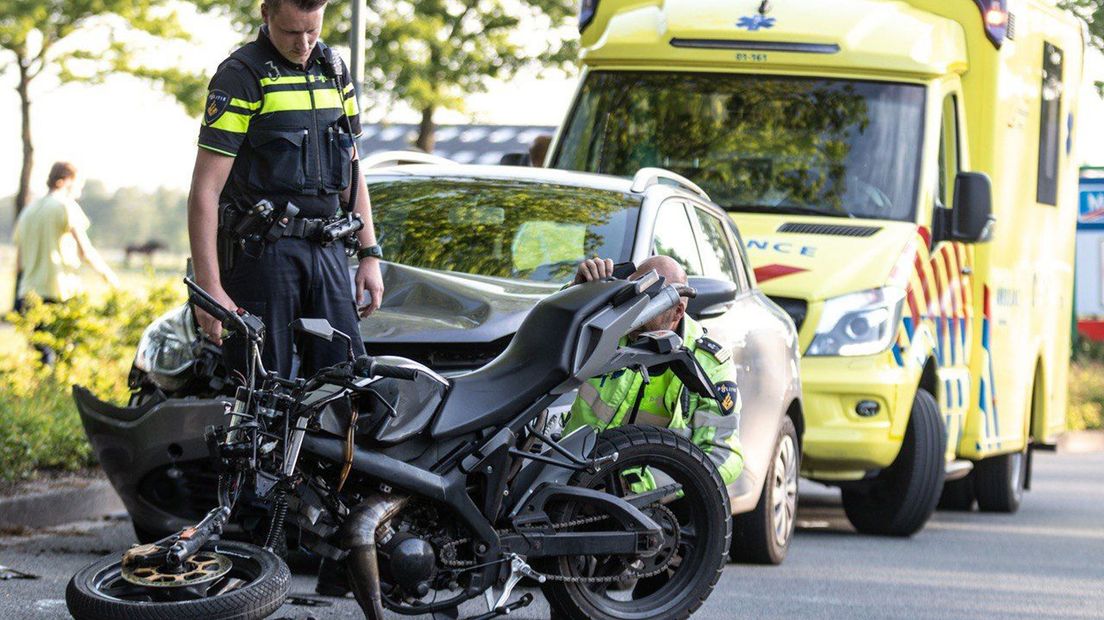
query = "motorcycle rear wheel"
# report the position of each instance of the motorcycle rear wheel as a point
(703, 519)
(255, 587)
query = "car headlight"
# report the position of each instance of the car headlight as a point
(165, 350)
(861, 323)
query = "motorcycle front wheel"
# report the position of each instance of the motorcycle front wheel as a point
(246, 582)
(696, 524)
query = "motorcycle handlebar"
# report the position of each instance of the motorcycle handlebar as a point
(395, 372)
(665, 299)
(367, 367)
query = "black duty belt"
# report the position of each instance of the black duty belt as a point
(306, 228)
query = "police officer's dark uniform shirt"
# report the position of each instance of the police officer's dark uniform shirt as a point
(284, 126)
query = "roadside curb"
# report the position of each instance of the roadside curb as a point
(80, 502)
(1081, 442)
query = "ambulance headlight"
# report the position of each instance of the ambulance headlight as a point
(165, 349)
(861, 323)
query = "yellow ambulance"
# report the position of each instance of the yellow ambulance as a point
(903, 175)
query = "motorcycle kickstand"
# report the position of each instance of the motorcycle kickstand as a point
(525, 600)
(518, 570)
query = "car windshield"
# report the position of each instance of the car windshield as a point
(505, 229)
(757, 143)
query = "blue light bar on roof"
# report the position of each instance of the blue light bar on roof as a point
(994, 16)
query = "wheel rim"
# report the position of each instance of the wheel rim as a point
(109, 582)
(784, 491)
(652, 596)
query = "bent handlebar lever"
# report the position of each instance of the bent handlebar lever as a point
(241, 321)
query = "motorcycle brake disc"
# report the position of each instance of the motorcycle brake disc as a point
(202, 567)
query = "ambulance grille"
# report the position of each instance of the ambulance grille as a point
(796, 308)
(835, 230)
(1010, 27)
(757, 46)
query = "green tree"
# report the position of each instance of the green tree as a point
(1092, 11)
(66, 37)
(432, 54)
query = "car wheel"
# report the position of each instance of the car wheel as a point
(1000, 482)
(763, 535)
(903, 497)
(958, 494)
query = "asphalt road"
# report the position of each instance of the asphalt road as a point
(1045, 561)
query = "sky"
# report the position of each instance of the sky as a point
(127, 133)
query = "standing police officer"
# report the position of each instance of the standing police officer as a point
(279, 125)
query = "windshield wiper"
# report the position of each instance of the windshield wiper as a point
(787, 210)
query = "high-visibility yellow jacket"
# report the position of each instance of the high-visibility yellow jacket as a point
(607, 402)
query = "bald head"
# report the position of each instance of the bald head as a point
(664, 266)
(674, 274)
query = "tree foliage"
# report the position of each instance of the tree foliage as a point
(88, 40)
(432, 54)
(1092, 11)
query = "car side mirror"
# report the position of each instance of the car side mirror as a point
(972, 216)
(714, 297)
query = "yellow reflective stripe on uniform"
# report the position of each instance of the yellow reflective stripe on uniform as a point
(232, 122)
(725, 424)
(601, 410)
(300, 100)
(246, 105)
(651, 419)
(284, 79)
(351, 107)
(348, 87)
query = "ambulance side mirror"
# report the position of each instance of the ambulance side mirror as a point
(972, 216)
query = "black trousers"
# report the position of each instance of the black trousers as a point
(288, 280)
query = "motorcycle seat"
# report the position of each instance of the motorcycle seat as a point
(538, 358)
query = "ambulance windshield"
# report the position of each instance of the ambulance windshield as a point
(757, 143)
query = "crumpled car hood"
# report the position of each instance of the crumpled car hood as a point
(427, 305)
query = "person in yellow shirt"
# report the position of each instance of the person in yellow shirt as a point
(51, 241)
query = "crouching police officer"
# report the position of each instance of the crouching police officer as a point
(624, 397)
(265, 217)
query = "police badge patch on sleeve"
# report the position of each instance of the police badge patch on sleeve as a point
(729, 397)
(217, 102)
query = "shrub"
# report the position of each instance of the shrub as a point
(95, 343)
(1086, 395)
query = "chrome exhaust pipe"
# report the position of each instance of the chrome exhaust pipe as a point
(359, 538)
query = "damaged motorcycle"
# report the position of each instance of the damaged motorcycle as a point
(434, 491)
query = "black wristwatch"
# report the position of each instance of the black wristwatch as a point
(372, 251)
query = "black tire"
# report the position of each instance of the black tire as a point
(763, 535)
(904, 496)
(268, 581)
(999, 482)
(694, 579)
(958, 495)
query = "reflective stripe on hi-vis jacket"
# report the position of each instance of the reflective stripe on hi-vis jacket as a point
(607, 402)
